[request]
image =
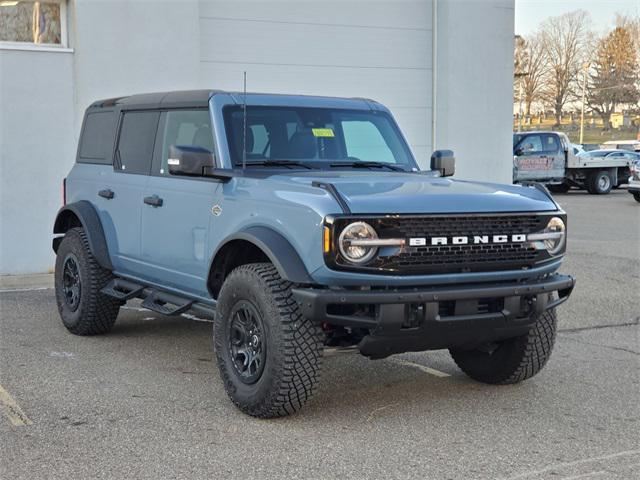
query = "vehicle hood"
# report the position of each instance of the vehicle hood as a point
(391, 192)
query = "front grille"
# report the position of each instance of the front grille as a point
(450, 258)
(461, 225)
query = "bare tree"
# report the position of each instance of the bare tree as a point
(519, 71)
(529, 70)
(536, 69)
(565, 41)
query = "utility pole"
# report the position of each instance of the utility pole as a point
(585, 67)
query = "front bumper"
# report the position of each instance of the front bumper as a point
(634, 185)
(429, 318)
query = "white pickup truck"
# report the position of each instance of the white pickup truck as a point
(548, 158)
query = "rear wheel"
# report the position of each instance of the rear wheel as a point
(268, 354)
(512, 360)
(78, 281)
(599, 183)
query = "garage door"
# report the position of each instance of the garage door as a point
(379, 50)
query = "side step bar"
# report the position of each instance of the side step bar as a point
(155, 300)
(166, 303)
(122, 289)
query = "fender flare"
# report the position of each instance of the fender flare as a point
(276, 247)
(86, 213)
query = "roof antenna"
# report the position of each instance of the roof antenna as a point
(244, 123)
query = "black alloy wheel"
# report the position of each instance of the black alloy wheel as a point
(79, 279)
(247, 342)
(71, 282)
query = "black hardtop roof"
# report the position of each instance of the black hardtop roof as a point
(183, 98)
(191, 98)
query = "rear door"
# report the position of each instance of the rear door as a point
(120, 193)
(537, 156)
(175, 230)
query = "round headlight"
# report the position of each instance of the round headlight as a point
(555, 242)
(348, 242)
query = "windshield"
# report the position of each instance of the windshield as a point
(315, 138)
(516, 139)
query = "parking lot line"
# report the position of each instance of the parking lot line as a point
(26, 289)
(429, 370)
(583, 461)
(12, 410)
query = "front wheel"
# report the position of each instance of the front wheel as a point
(268, 354)
(512, 360)
(637, 197)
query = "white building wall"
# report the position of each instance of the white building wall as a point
(36, 151)
(475, 85)
(375, 49)
(126, 47)
(357, 48)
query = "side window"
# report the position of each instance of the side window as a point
(185, 128)
(531, 145)
(551, 144)
(96, 143)
(363, 141)
(135, 145)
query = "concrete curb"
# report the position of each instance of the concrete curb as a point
(38, 280)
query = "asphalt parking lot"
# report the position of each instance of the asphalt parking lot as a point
(146, 400)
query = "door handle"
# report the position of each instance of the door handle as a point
(154, 201)
(106, 193)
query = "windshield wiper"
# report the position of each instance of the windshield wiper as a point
(363, 164)
(276, 163)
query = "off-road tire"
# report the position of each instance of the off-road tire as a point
(515, 359)
(294, 345)
(593, 183)
(560, 188)
(95, 313)
(637, 197)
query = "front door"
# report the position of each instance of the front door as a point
(538, 157)
(175, 226)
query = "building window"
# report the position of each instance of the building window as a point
(33, 23)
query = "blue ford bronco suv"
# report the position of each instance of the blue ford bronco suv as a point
(299, 223)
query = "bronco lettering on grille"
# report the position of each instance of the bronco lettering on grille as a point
(466, 240)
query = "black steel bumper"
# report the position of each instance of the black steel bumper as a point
(415, 319)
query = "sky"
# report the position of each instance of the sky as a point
(530, 13)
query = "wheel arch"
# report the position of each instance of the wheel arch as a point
(252, 245)
(83, 214)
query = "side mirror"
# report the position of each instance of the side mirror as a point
(518, 152)
(444, 162)
(194, 161)
(189, 160)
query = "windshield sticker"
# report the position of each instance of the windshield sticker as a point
(322, 132)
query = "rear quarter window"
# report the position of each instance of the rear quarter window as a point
(96, 142)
